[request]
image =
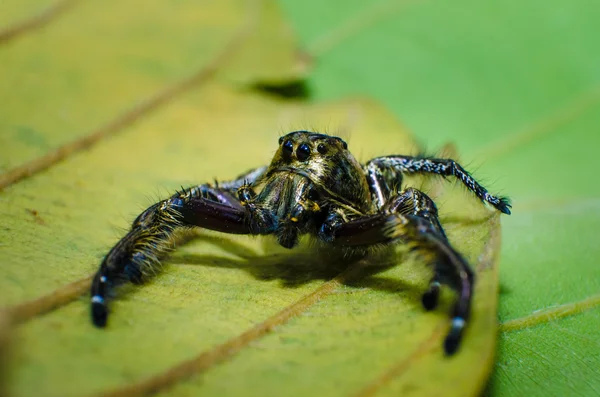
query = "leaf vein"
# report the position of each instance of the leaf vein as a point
(36, 21)
(355, 24)
(551, 314)
(22, 312)
(135, 113)
(208, 359)
(559, 117)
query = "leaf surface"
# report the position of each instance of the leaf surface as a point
(15, 11)
(97, 61)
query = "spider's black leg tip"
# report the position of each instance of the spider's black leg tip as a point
(452, 341)
(99, 312)
(431, 297)
(504, 205)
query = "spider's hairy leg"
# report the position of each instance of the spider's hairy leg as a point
(414, 202)
(379, 166)
(247, 178)
(449, 268)
(431, 297)
(150, 237)
(418, 228)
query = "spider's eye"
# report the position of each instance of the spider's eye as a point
(313, 194)
(288, 148)
(322, 148)
(303, 152)
(280, 140)
(344, 145)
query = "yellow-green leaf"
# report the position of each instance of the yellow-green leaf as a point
(234, 313)
(217, 288)
(99, 66)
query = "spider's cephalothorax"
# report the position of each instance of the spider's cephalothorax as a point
(313, 186)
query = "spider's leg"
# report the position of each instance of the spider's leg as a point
(445, 167)
(414, 202)
(247, 178)
(151, 234)
(378, 184)
(413, 228)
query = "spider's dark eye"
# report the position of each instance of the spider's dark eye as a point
(280, 140)
(303, 152)
(313, 194)
(345, 145)
(322, 148)
(288, 148)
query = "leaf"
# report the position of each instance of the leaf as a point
(20, 18)
(221, 295)
(515, 86)
(69, 74)
(231, 281)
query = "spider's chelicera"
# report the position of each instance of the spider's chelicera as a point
(313, 186)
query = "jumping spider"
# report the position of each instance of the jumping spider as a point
(313, 185)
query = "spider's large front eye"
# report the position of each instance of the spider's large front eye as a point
(303, 152)
(288, 148)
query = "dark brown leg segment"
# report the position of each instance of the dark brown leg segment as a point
(150, 238)
(411, 217)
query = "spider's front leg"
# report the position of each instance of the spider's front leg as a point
(378, 170)
(411, 217)
(150, 237)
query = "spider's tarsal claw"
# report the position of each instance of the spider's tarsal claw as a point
(99, 311)
(503, 205)
(452, 341)
(431, 297)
